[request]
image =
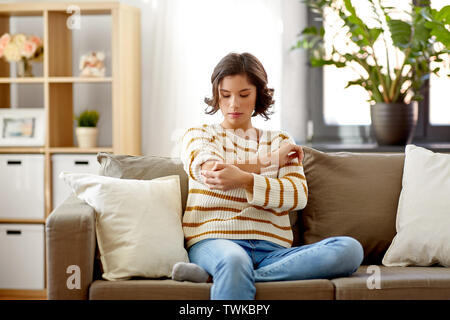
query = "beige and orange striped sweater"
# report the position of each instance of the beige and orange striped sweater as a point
(236, 213)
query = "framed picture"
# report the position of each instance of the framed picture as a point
(22, 127)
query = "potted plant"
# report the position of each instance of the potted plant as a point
(420, 43)
(87, 131)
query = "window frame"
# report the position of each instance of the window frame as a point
(361, 134)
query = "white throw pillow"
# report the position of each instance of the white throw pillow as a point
(423, 213)
(138, 223)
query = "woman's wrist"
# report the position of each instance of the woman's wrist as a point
(254, 165)
(264, 162)
(248, 182)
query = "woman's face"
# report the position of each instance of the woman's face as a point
(237, 99)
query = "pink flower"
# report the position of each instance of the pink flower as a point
(36, 40)
(1, 51)
(28, 50)
(4, 40)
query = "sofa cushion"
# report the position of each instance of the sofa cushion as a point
(352, 194)
(396, 283)
(162, 289)
(137, 223)
(424, 210)
(143, 168)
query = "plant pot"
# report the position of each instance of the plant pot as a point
(394, 123)
(87, 137)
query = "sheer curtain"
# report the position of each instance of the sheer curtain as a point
(183, 40)
(182, 43)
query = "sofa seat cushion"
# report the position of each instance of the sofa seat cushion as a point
(396, 283)
(148, 289)
(167, 289)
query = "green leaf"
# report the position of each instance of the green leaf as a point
(442, 35)
(400, 33)
(426, 14)
(443, 15)
(421, 35)
(339, 64)
(374, 33)
(309, 30)
(88, 118)
(321, 62)
(359, 82)
(349, 7)
(322, 31)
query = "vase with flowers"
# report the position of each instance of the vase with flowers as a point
(21, 49)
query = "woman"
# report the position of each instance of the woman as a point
(243, 182)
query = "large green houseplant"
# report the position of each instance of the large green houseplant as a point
(423, 40)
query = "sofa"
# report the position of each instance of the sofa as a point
(353, 194)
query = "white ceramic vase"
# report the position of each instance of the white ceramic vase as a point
(87, 137)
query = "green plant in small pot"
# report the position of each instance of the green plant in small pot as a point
(87, 131)
(392, 75)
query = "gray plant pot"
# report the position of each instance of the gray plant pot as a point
(394, 123)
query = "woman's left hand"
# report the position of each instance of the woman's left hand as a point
(225, 176)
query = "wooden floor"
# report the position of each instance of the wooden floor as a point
(23, 294)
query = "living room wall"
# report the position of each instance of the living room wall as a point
(169, 104)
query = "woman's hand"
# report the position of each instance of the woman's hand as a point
(283, 155)
(225, 176)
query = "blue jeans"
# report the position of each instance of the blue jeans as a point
(236, 265)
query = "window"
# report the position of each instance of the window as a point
(343, 115)
(206, 31)
(439, 105)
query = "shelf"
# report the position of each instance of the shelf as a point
(11, 10)
(56, 80)
(22, 80)
(54, 150)
(111, 27)
(30, 8)
(22, 149)
(79, 79)
(80, 150)
(31, 221)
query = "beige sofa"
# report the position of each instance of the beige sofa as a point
(350, 194)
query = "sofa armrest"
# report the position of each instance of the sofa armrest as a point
(70, 245)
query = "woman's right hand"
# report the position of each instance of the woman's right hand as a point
(284, 155)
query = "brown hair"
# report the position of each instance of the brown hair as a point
(248, 64)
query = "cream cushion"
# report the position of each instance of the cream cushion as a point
(138, 223)
(423, 214)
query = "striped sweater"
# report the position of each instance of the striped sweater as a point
(237, 213)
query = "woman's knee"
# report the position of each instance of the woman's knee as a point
(235, 260)
(351, 254)
(235, 267)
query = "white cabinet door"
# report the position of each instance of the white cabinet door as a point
(79, 163)
(22, 186)
(22, 256)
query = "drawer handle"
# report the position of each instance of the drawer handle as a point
(85, 163)
(13, 232)
(14, 162)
